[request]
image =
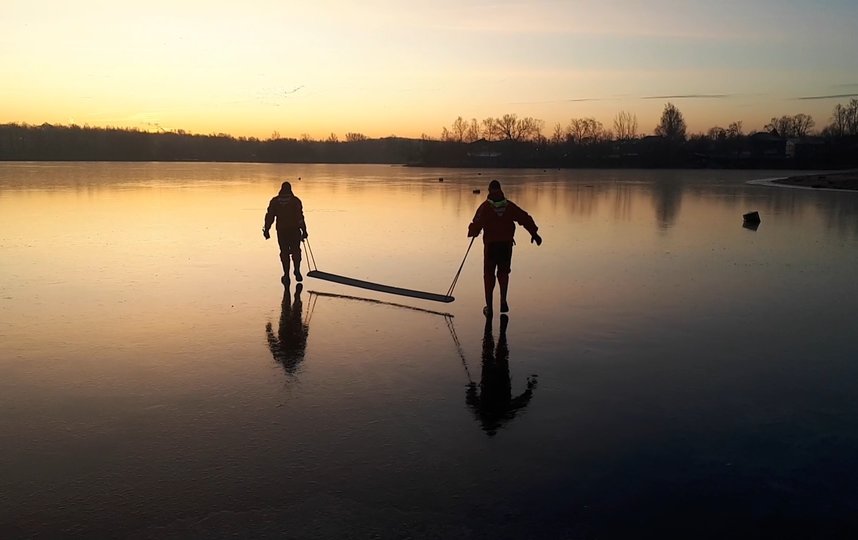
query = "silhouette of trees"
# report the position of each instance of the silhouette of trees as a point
(717, 133)
(802, 124)
(75, 143)
(461, 131)
(505, 141)
(489, 129)
(787, 126)
(844, 120)
(508, 127)
(473, 132)
(734, 129)
(586, 131)
(559, 134)
(625, 126)
(672, 125)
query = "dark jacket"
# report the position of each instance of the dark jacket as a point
(289, 212)
(497, 220)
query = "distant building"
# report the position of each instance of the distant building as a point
(767, 146)
(484, 153)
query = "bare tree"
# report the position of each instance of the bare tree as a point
(473, 133)
(508, 127)
(332, 138)
(852, 117)
(586, 131)
(355, 137)
(460, 128)
(839, 125)
(531, 128)
(790, 126)
(672, 125)
(626, 126)
(734, 129)
(802, 124)
(781, 127)
(559, 134)
(489, 129)
(717, 133)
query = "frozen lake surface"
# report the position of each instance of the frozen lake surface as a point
(670, 372)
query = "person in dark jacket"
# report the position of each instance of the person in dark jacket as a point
(288, 211)
(497, 217)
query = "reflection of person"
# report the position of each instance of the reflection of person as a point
(493, 404)
(291, 228)
(287, 347)
(497, 217)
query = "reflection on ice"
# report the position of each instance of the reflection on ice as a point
(684, 362)
(492, 401)
(290, 342)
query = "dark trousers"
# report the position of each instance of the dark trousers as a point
(497, 256)
(290, 247)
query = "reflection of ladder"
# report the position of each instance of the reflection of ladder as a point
(448, 318)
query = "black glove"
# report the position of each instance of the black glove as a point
(304, 235)
(265, 233)
(536, 238)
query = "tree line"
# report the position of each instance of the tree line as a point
(48, 142)
(504, 141)
(786, 141)
(672, 125)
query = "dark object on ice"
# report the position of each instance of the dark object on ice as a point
(753, 226)
(476, 191)
(440, 179)
(751, 217)
(446, 298)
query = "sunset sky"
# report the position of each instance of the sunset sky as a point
(385, 67)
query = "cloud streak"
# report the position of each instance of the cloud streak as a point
(571, 100)
(830, 96)
(618, 98)
(691, 96)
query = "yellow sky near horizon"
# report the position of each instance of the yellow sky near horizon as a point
(390, 68)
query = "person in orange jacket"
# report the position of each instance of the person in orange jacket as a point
(496, 218)
(291, 228)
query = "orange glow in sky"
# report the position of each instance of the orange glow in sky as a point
(384, 67)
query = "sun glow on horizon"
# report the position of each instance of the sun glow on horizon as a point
(384, 68)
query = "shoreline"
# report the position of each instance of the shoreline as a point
(826, 181)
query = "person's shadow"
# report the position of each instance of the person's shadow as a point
(288, 345)
(492, 401)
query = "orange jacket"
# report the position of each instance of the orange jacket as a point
(497, 220)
